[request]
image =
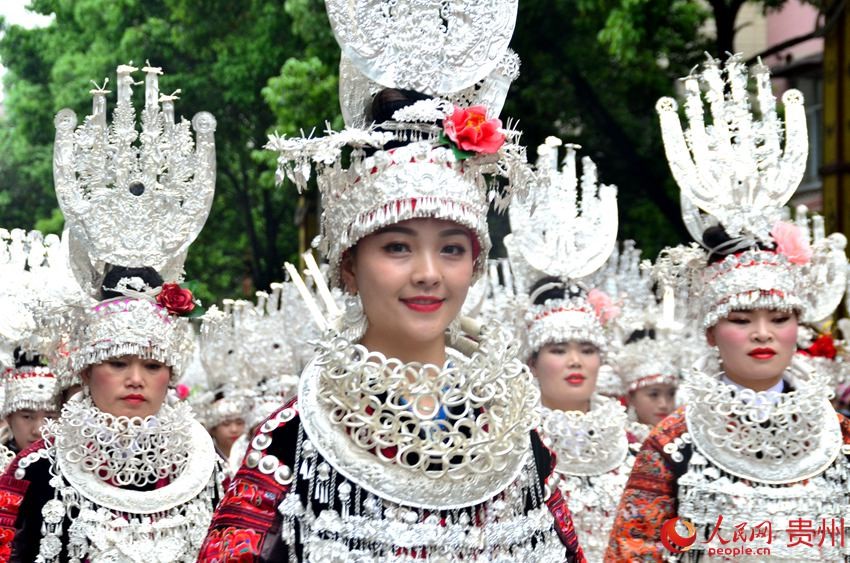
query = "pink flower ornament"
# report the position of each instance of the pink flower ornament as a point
(791, 243)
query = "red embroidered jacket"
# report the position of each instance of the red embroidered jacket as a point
(246, 525)
(650, 497)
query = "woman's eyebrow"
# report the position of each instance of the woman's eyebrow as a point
(454, 231)
(396, 229)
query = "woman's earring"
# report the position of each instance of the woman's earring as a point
(454, 330)
(354, 321)
(716, 351)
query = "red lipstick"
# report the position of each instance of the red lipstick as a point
(575, 379)
(134, 398)
(762, 353)
(423, 303)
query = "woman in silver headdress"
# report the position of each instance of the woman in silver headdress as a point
(399, 446)
(556, 239)
(757, 453)
(122, 474)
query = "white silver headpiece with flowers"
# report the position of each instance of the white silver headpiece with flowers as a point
(434, 177)
(738, 171)
(133, 199)
(566, 230)
(130, 326)
(668, 340)
(446, 172)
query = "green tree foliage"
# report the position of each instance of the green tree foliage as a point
(636, 28)
(573, 87)
(227, 58)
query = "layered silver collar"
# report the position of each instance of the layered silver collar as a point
(123, 451)
(765, 437)
(590, 443)
(426, 436)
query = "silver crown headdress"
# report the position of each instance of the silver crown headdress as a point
(132, 199)
(736, 171)
(566, 230)
(424, 178)
(31, 388)
(246, 342)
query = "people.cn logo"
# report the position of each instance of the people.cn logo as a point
(675, 542)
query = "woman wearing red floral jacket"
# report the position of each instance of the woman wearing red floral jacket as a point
(757, 451)
(399, 446)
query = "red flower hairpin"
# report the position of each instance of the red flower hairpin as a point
(469, 132)
(177, 300)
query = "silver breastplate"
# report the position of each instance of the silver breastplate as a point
(593, 501)
(762, 521)
(338, 520)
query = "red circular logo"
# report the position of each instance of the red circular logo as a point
(675, 542)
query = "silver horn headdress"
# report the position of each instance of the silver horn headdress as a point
(564, 229)
(133, 199)
(740, 173)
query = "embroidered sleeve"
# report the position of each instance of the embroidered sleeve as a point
(649, 498)
(546, 461)
(564, 526)
(12, 493)
(20, 508)
(246, 521)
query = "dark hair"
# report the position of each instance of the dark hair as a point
(390, 100)
(715, 236)
(118, 273)
(640, 334)
(387, 102)
(562, 291)
(26, 359)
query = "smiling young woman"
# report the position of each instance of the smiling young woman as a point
(398, 444)
(412, 278)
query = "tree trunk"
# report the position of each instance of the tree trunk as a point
(243, 200)
(725, 14)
